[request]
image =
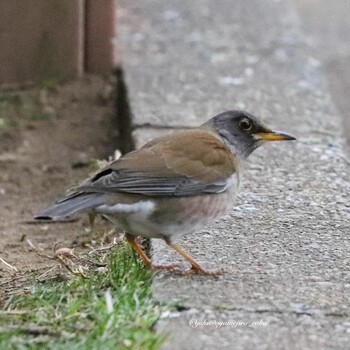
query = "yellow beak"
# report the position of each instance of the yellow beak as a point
(274, 136)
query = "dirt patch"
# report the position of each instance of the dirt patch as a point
(48, 138)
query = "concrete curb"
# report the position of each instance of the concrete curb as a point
(285, 245)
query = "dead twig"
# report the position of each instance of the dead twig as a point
(29, 242)
(78, 271)
(50, 222)
(31, 330)
(9, 265)
(14, 312)
(104, 248)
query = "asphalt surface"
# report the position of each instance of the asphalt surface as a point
(285, 245)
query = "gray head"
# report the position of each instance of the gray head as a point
(243, 132)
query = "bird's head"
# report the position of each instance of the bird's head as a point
(243, 132)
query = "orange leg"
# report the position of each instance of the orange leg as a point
(132, 241)
(195, 268)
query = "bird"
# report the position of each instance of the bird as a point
(172, 186)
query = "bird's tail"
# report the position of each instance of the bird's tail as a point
(75, 203)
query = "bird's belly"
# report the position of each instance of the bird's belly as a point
(192, 214)
(172, 217)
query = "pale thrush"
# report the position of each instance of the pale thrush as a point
(173, 185)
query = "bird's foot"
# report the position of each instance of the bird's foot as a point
(164, 267)
(197, 270)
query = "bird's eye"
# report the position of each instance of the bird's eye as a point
(245, 124)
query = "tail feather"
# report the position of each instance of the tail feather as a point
(76, 203)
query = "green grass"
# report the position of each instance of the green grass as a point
(20, 108)
(75, 311)
(50, 81)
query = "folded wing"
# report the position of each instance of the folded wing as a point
(174, 166)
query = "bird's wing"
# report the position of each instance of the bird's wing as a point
(184, 164)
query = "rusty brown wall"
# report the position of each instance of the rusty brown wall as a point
(100, 35)
(40, 39)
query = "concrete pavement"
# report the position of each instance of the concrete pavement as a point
(327, 26)
(285, 246)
